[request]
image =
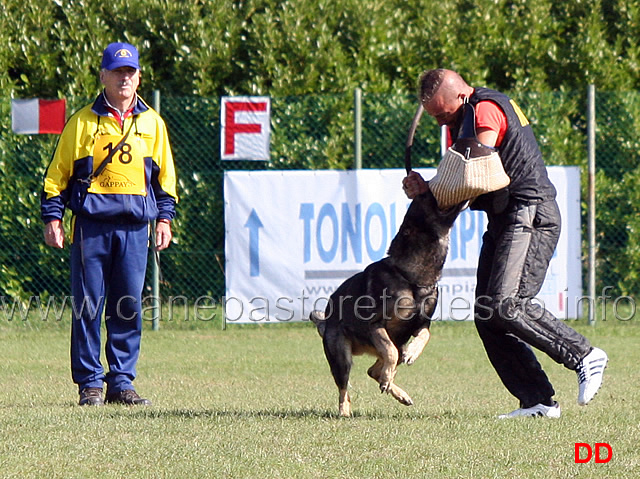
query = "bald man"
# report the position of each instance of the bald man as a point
(521, 236)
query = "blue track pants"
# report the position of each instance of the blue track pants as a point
(108, 265)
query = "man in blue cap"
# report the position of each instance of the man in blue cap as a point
(114, 170)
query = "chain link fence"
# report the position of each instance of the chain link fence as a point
(317, 132)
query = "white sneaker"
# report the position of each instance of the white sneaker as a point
(590, 372)
(539, 410)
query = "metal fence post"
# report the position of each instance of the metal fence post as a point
(357, 127)
(591, 156)
(155, 267)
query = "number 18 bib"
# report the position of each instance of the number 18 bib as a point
(124, 174)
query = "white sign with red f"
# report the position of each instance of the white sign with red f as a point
(246, 128)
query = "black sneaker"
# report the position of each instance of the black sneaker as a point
(91, 397)
(128, 397)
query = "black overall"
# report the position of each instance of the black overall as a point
(523, 230)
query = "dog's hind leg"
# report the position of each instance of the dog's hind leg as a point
(344, 404)
(416, 346)
(375, 370)
(338, 352)
(398, 393)
(388, 353)
(317, 318)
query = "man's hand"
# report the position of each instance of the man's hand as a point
(163, 235)
(54, 234)
(413, 185)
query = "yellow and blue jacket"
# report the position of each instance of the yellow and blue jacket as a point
(137, 185)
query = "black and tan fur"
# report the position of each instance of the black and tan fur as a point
(378, 310)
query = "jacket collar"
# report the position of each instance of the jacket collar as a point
(100, 106)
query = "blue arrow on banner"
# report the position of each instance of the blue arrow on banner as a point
(254, 224)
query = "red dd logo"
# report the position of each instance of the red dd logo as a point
(598, 446)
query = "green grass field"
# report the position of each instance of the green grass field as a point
(259, 402)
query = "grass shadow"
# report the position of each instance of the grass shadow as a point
(304, 413)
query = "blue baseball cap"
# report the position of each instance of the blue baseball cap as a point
(118, 55)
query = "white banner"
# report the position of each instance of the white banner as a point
(245, 128)
(293, 236)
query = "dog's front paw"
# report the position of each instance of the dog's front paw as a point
(410, 354)
(413, 350)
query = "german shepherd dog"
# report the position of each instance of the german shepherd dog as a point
(379, 309)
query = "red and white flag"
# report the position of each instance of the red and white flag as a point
(34, 116)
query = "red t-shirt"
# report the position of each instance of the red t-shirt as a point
(488, 115)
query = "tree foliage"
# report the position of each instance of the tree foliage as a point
(309, 55)
(296, 47)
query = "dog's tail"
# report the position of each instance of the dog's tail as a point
(317, 318)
